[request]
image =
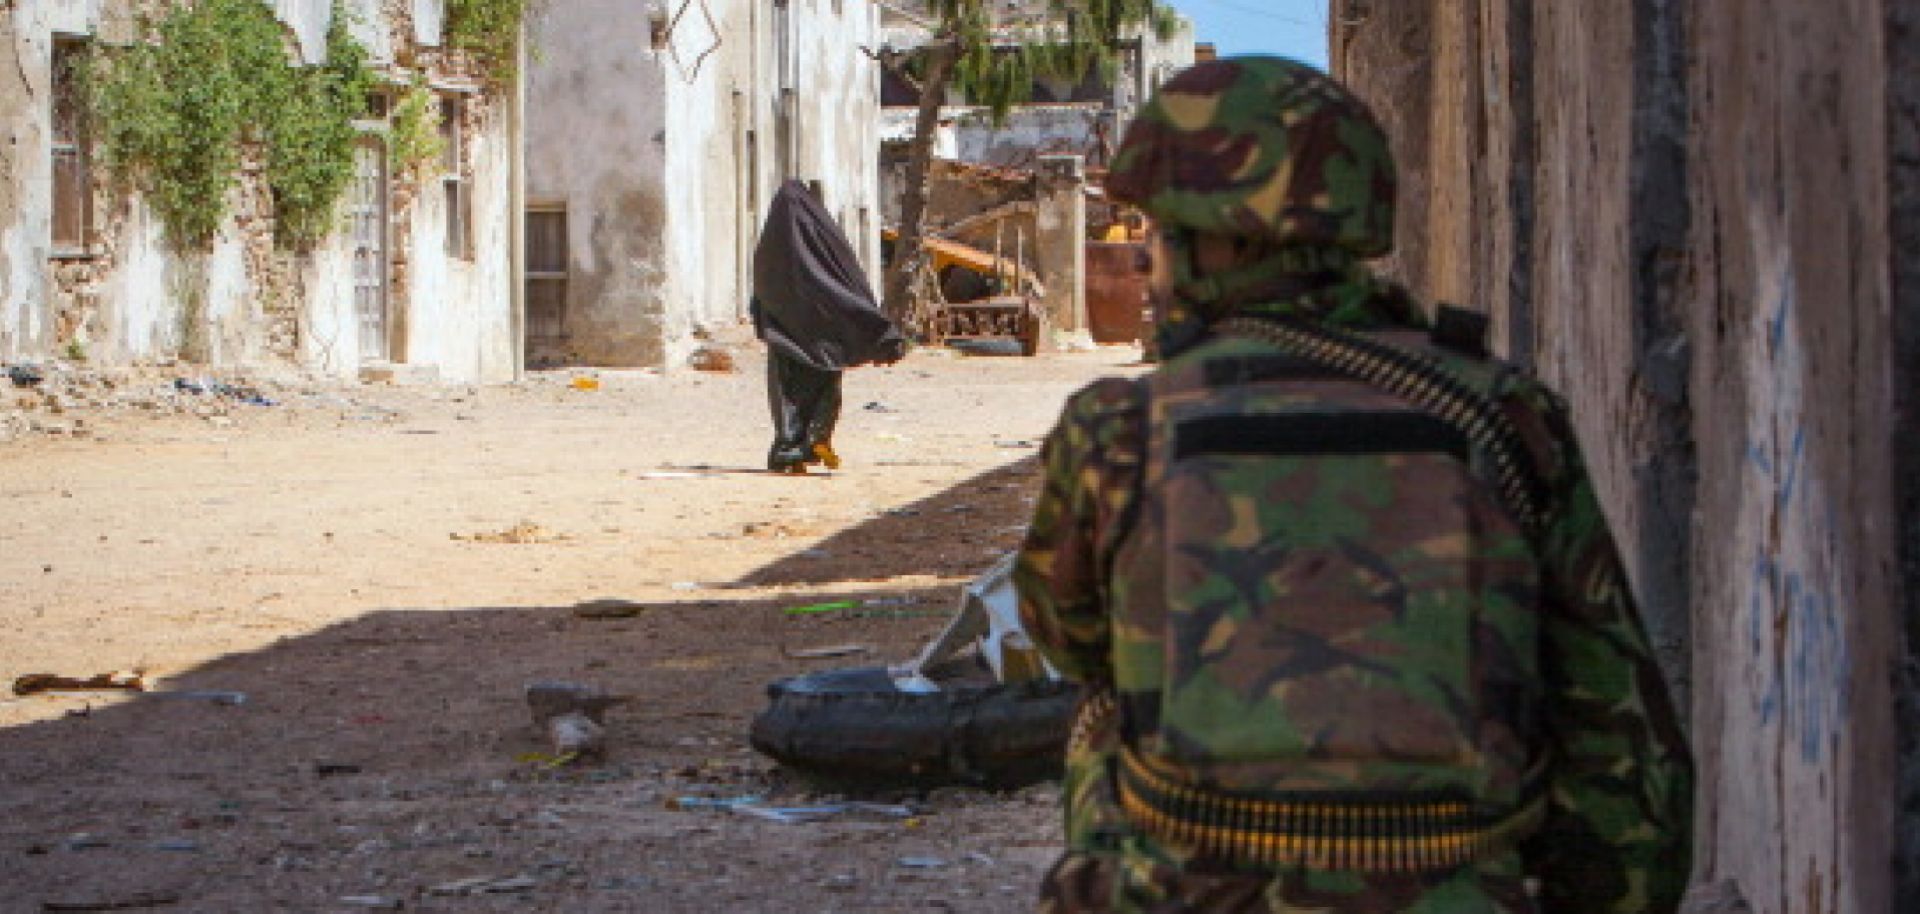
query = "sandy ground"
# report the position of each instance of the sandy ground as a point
(380, 573)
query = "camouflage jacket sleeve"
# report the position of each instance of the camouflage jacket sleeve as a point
(1618, 835)
(1091, 463)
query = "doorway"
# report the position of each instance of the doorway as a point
(368, 215)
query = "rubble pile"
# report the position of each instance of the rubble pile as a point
(63, 399)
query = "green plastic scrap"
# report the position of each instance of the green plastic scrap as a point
(814, 608)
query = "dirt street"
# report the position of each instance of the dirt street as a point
(380, 571)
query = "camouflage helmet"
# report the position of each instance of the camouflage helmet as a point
(1260, 147)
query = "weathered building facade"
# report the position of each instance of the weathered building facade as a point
(1699, 221)
(1061, 138)
(419, 270)
(1062, 117)
(656, 142)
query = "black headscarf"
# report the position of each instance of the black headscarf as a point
(811, 299)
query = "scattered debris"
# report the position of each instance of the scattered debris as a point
(817, 608)
(33, 683)
(800, 814)
(608, 609)
(584, 382)
(334, 769)
(177, 845)
(712, 358)
(756, 806)
(921, 863)
(237, 393)
(373, 902)
(83, 841)
(833, 650)
(879, 407)
(125, 903)
(486, 885)
(525, 533)
(723, 803)
(550, 699)
(25, 375)
(573, 715)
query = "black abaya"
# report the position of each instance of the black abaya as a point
(815, 310)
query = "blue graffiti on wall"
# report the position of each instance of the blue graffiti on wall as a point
(1794, 624)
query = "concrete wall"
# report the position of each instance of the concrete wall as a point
(1687, 216)
(596, 142)
(666, 160)
(1032, 131)
(460, 309)
(1085, 129)
(133, 299)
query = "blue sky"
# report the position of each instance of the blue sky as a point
(1294, 28)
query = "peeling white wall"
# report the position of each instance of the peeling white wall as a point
(26, 319)
(1160, 59)
(459, 309)
(429, 20)
(329, 326)
(140, 318)
(596, 134)
(308, 20)
(667, 157)
(369, 27)
(1031, 131)
(154, 304)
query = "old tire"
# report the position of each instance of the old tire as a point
(853, 726)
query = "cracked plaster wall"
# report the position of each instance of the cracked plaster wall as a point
(135, 300)
(1695, 219)
(666, 159)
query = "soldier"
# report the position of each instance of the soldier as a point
(1355, 634)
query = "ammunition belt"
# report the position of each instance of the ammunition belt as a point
(1094, 718)
(1355, 831)
(1429, 386)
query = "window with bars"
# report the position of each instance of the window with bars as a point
(72, 167)
(453, 180)
(546, 275)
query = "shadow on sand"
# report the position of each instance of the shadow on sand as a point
(392, 753)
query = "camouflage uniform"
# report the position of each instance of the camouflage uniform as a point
(1280, 634)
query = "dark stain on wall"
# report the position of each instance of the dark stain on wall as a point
(1521, 324)
(1658, 227)
(1903, 140)
(614, 315)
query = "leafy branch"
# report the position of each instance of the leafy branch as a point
(174, 113)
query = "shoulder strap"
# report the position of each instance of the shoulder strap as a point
(1130, 511)
(1432, 388)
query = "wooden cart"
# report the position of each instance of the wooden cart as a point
(1002, 317)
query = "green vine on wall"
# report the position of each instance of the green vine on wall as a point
(414, 140)
(999, 61)
(310, 137)
(488, 29)
(174, 114)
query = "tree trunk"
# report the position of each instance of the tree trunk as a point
(909, 247)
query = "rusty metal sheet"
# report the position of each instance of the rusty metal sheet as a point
(1117, 291)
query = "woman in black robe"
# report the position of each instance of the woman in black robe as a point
(815, 310)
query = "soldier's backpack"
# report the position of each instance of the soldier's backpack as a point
(1325, 608)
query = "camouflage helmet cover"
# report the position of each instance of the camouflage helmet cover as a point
(1260, 147)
